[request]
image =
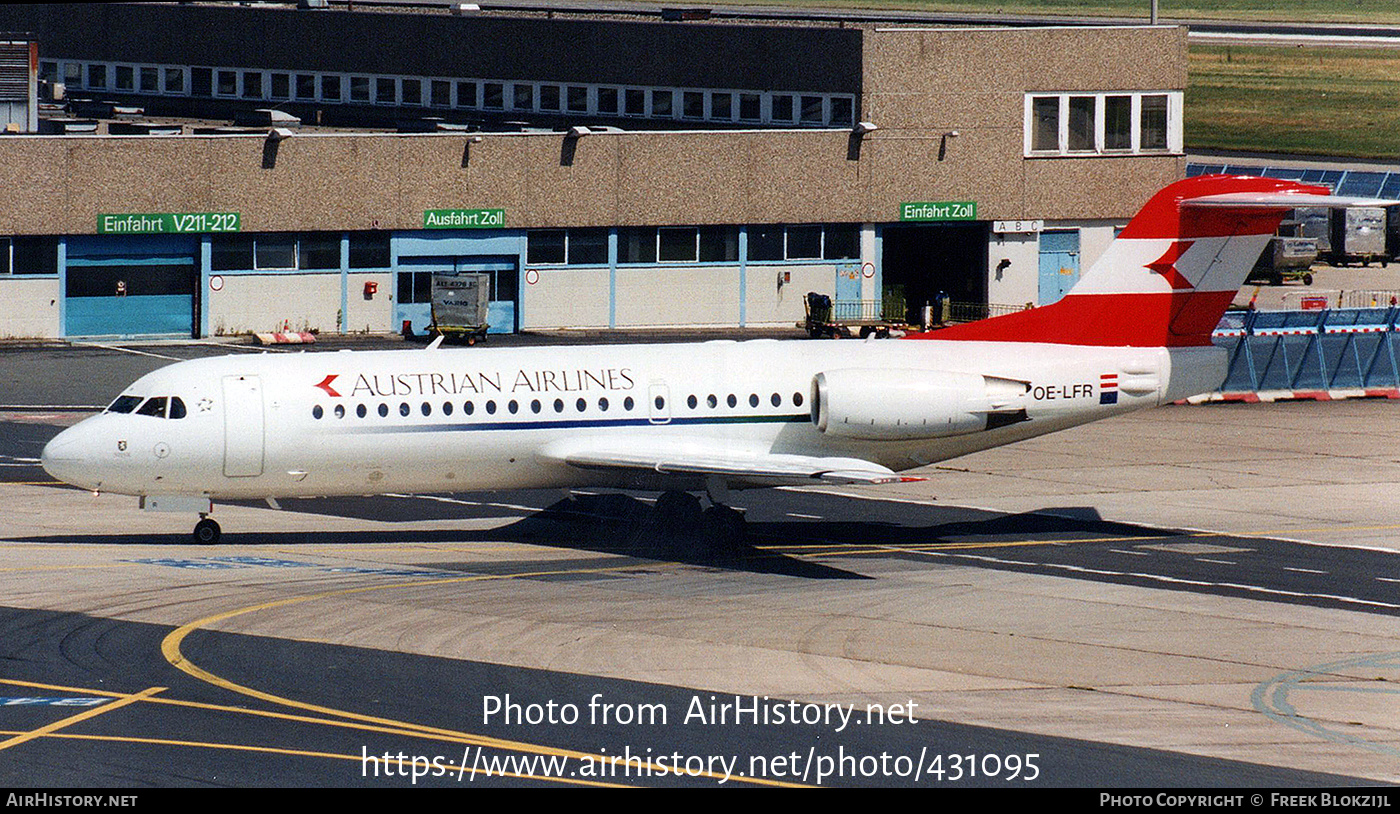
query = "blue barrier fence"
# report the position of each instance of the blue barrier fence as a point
(1336, 353)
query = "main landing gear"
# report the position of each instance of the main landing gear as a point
(717, 527)
(206, 531)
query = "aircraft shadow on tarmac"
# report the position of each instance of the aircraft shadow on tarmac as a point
(623, 525)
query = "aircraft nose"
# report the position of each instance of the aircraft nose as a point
(66, 457)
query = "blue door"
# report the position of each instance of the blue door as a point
(1059, 263)
(848, 282)
(414, 302)
(130, 296)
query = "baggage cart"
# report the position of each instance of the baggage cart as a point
(460, 303)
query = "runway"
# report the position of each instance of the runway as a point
(1189, 596)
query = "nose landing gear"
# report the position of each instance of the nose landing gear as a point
(206, 531)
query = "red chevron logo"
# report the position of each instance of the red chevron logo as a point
(1166, 265)
(326, 385)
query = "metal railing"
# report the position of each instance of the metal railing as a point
(1349, 351)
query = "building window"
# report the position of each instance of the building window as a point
(369, 250)
(578, 99)
(722, 106)
(719, 244)
(274, 251)
(29, 255)
(227, 83)
(281, 86)
(494, 98)
(1153, 122)
(125, 78)
(782, 108)
(466, 94)
(252, 85)
(549, 97)
(812, 109)
(545, 246)
(306, 86)
(1103, 123)
(804, 243)
(415, 287)
(608, 101)
(174, 80)
(150, 80)
(524, 96)
(574, 247)
(359, 89)
(202, 81)
(411, 92)
(636, 102)
(441, 93)
(842, 111)
(1118, 123)
(386, 91)
(693, 105)
(330, 88)
(320, 250)
(661, 104)
(636, 245)
(750, 107)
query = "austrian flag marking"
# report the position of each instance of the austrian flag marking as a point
(1108, 388)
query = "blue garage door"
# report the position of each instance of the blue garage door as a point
(415, 285)
(130, 296)
(1059, 264)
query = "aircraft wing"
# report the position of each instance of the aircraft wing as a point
(767, 469)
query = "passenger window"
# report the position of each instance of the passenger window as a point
(753, 399)
(628, 403)
(469, 408)
(558, 405)
(177, 408)
(427, 409)
(491, 407)
(513, 406)
(777, 400)
(691, 402)
(317, 412)
(712, 400)
(797, 399)
(404, 409)
(603, 405)
(581, 405)
(360, 410)
(732, 401)
(383, 411)
(340, 411)
(154, 407)
(535, 406)
(660, 403)
(447, 408)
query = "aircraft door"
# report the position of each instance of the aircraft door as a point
(243, 426)
(659, 403)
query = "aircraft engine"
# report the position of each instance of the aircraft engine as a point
(912, 404)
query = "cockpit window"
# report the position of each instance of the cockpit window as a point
(177, 407)
(153, 407)
(124, 404)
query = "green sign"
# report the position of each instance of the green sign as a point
(166, 223)
(938, 210)
(464, 219)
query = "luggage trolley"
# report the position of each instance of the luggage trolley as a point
(460, 303)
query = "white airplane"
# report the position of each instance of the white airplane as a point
(1134, 332)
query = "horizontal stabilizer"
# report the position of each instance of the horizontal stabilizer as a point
(1288, 200)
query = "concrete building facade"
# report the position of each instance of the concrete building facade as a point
(878, 164)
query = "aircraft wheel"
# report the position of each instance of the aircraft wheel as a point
(682, 507)
(725, 526)
(206, 532)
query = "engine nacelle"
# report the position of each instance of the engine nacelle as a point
(913, 404)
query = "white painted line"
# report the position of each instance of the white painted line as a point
(1158, 578)
(1387, 579)
(1134, 553)
(804, 516)
(1217, 562)
(126, 350)
(1304, 570)
(440, 499)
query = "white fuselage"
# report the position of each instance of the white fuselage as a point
(349, 423)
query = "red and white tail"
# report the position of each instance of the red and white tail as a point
(1167, 279)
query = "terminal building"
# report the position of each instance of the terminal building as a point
(205, 170)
